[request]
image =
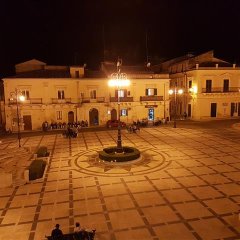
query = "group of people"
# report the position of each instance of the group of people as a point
(54, 125)
(70, 132)
(133, 128)
(79, 233)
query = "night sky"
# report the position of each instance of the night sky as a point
(66, 32)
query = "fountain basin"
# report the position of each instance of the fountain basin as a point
(110, 154)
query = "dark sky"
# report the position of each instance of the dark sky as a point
(65, 32)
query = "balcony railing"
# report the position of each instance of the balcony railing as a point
(151, 98)
(220, 90)
(27, 101)
(121, 99)
(65, 100)
(93, 100)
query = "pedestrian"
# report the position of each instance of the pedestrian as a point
(57, 233)
(79, 233)
(185, 115)
(77, 227)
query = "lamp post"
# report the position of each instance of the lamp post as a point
(119, 80)
(175, 91)
(18, 96)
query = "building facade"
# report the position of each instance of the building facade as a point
(211, 86)
(71, 94)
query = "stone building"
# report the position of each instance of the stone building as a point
(74, 93)
(211, 86)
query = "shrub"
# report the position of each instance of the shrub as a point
(108, 154)
(42, 152)
(36, 169)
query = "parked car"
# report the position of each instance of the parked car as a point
(114, 123)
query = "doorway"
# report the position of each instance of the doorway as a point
(93, 117)
(113, 114)
(27, 120)
(232, 109)
(151, 114)
(71, 117)
(189, 110)
(213, 109)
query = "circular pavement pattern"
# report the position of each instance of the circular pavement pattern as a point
(88, 162)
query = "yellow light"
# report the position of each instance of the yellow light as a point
(170, 91)
(22, 98)
(180, 91)
(195, 89)
(118, 83)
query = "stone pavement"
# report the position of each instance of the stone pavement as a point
(185, 186)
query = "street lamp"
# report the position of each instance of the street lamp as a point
(18, 97)
(175, 91)
(119, 80)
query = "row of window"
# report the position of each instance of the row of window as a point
(93, 93)
(209, 85)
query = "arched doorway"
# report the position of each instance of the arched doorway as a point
(93, 117)
(113, 114)
(71, 117)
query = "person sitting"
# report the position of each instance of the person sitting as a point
(79, 233)
(57, 233)
(134, 128)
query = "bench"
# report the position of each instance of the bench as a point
(83, 235)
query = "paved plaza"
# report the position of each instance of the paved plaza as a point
(186, 185)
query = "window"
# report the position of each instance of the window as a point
(59, 115)
(93, 94)
(121, 93)
(225, 85)
(61, 94)
(208, 86)
(151, 91)
(124, 112)
(25, 93)
(190, 84)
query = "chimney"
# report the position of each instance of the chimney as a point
(234, 65)
(216, 65)
(197, 65)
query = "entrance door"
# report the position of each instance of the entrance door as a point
(232, 109)
(189, 110)
(213, 109)
(151, 114)
(93, 117)
(114, 114)
(71, 117)
(239, 109)
(27, 120)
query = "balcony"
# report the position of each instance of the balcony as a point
(220, 90)
(27, 101)
(151, 98)
(93, 100)
(121, 99)
(65, 100)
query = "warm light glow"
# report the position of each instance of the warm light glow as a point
(180, 91)
(118, 83)
(170, 91)
(22, 98)
(193, 89)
